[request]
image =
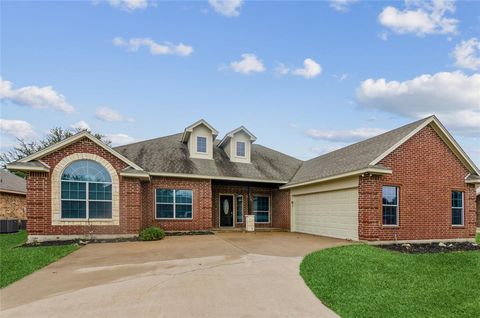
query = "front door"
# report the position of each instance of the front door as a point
(226, 210)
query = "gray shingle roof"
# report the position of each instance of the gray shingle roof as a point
(169, 155)
(12, 183)
(351, 158)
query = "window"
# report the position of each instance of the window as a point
(86, 191)
(174, 204)
(202, 144)
(390, 205)
(239, 209)
(240, 149)
(261, 208)
(457, 208)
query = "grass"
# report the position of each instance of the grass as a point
(367, 281)
(478, 238)
(17, 262)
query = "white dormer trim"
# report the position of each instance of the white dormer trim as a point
(188, 131)
(230, 135)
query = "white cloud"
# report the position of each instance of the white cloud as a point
(248, 64)
(420, 17)
(165, 48)
(467, 54)
(310, 69)
(341, 77)
(321, 150)
(228, 8)
(16, 128)
(341, 5)
(34, 96)
(350, 135)
(129, 5)
(383, 35)
(453, 96)
(110, 115)
(81, 125)
(120, 139)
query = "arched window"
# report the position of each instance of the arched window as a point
(86, 191)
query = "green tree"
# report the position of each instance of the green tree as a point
(25, 148)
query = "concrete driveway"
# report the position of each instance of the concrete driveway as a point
(222, 275)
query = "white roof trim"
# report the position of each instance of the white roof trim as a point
(196, 176)
(372, 170)
(73, 139)
(444, 134)
(190, 128)
(13, 192)
(233, 132)
(13, 166)
(144, 175)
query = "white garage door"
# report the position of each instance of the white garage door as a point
(333, 213)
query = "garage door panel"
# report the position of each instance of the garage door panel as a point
(333, 213)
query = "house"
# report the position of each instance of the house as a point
(413, 183)
(13, 192)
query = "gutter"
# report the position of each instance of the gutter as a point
(374, 171)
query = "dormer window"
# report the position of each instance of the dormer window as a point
(200, 139)
(201, 144)
(237, 144)
(240, 149)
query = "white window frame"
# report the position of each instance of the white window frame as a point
(244, 149)
(174, 204)
(462, 208)
(206, 144)
(236, 208)
(269, 207)
(397, 188)
(86, 200)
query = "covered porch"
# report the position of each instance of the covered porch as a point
(233, 201)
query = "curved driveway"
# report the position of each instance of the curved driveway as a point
(222, 275)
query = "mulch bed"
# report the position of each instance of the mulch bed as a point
(117, 240)
(432, 247)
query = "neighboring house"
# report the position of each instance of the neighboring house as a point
(13, 192)
(411, 183)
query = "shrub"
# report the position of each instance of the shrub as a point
(152, 233)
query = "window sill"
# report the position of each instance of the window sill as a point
(172, 219)
(85, 220)
(458, 226)
(390, 226)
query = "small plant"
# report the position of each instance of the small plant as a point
(152, 233)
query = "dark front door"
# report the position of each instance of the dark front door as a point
(226, 210)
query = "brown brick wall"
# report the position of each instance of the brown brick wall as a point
(202, 203)
(12, 206)
(279, 204)
(39, 212)
(426, 171)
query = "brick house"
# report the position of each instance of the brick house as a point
(13, 193)
(413, 183)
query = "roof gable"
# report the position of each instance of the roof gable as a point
(189, 129)
(368, 153)
(70, 140)
(235, 131)
(443, 133)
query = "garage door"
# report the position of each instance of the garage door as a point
(333, 213)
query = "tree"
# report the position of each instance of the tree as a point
(26, 148)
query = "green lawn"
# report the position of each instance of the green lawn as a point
(367, 281)
(17, 262)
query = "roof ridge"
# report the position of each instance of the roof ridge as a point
(147, 140)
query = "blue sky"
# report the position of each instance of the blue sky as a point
(304, 77)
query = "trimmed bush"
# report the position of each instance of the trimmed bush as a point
(152, 233)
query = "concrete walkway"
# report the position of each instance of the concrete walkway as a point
(222, 275)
